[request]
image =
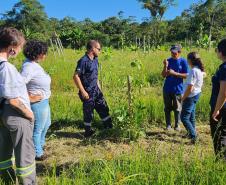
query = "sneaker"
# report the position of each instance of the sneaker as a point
(168, 128)
(177, 128)
(41, 158)
(89, 132)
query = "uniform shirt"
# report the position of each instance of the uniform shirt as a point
(37, 80)
(195, 78)
(12, 84)
(220, 75)
(173, 84)
(87, 70)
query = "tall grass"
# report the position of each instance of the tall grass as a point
(146, 86)
(144, 168)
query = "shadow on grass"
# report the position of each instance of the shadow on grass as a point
(64, 123)
(113, 135)
(57, 130)
(55, 170)
(165, 136)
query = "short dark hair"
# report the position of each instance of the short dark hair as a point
(34, 48)
(10, 37)
(222, 47)
(91, 44)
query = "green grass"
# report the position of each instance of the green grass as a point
(112, 157)
(144, 167)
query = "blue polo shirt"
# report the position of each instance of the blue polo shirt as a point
(87, 70)
(173, 84)
(219, 76)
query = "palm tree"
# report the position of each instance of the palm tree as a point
(157, 8)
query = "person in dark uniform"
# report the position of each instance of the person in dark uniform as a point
(218, 103)
(86, 79)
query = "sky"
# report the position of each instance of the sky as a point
(98, 10)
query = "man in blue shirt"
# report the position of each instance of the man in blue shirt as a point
(86, 79)
(174, 71)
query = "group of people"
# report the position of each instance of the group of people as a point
(181, 98)
(25, 111)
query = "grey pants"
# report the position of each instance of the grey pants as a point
(172, 102)
(16, 137)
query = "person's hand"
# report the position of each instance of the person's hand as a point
(30, 116)
(171, 72)
(166, 63)
(215, 114)
(35, 98)
(85, 95)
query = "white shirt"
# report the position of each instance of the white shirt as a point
(12, 84)
(195, 78)
(37, 80)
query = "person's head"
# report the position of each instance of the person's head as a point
(221, 50)
(93, 47)
(195, 60)
(11, 41)
(35, 50)
(175, 51)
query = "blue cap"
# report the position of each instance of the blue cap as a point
(175, 48)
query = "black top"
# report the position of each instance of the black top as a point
(219, 76)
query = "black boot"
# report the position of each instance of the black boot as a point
(88, 131)
(108, 124)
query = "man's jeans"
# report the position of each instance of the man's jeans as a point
(188, 114)
(41, 112)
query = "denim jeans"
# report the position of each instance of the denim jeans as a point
(42, 122)
(188, 114)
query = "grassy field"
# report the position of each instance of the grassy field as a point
(138, 150)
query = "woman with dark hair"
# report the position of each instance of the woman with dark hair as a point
(192, 93)
(38, 86)
(218, 103)
(16, 129)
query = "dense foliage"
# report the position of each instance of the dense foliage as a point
(201, 25)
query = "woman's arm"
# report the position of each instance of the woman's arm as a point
(220, 100)
(21, 108)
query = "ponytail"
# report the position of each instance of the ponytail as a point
(196, 60)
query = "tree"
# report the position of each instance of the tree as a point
(157, 8)
(211, 15)
(28, 16)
